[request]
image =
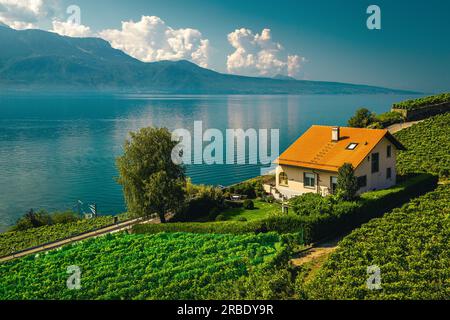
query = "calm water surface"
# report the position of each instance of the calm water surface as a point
(55, 150)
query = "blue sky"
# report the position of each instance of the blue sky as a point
(411, 51)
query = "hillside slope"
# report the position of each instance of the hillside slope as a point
(427, 144)
(410, 248)
(36, 59)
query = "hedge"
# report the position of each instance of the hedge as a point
(313, 228)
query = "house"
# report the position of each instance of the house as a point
(311, 164)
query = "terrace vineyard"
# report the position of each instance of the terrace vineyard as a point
(162, 266)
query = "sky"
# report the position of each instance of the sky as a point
(324, 40)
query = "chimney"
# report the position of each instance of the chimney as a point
(335, 134)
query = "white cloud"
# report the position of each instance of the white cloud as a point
(150, 39)
(71, 29)
(258, 55)
(26, 14)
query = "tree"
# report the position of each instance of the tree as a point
(362, 119)
(347, 185)
(151, 181)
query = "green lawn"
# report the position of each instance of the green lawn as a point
(262, 210)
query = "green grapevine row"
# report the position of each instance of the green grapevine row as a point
(11, 242)
(428, 145)
(410, 246)
(411, 105)
(162, 266)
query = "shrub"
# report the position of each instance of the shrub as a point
(42, 218)
(347, 182)
(202, 202)
(311, 204)
(221, 217)
(234, 204)
(64, 217)
(249, 205)
(251, 189)
(389, 118)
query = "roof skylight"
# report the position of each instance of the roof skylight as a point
(352, 146)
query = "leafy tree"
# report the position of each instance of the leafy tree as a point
(347, 183)
(362, 119)
(152, 182)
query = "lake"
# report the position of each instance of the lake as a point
(58, 149)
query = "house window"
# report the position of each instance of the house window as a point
(389, 151)
(283, 179)
(389, 173)
(375, 162)
(362, 182)
(309, 180)
(333, 184)
(352, 146)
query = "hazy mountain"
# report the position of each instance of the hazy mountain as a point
(36, 59)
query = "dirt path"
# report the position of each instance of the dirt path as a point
(400, 126)
(93, 234)
(316, 252)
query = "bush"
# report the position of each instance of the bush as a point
(389, 118)
(221, 217)
(270, 199)
(42, 218)
(242, 219)
(249, 205)
(311, 204)
(347, 183)
(201, 202)
(64, 217)
(234, 204)
(251, 189)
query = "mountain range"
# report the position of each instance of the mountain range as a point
(41, 60)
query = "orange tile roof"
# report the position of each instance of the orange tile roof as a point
(316, 150)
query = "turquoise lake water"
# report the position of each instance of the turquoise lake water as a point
(56, 150)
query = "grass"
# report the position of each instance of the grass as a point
(408, 182)
(262, 210)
